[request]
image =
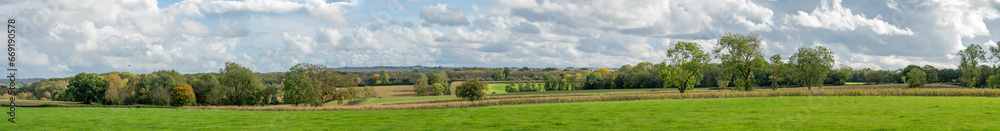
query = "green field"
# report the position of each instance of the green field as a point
(787, 113)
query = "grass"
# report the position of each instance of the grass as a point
(785, 113)
(854, 83)
(497, 88)
(590, 91)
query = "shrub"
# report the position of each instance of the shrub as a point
(44, 99)
(511, 87)
(916, 78)
(182, 95)
(993, 82)
(472, 90)
(440, 89)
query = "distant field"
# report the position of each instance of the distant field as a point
(855, 83)
(395, 99)
(393, 91)
(770, 113)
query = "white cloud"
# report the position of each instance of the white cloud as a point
(644, 17)
(443, 14)
(833, 16)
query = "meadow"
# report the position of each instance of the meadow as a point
(786, 113)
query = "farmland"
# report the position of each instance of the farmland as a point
(793, 113)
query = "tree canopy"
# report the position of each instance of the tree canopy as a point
(742, 54)
(687, 59)
(812, 64)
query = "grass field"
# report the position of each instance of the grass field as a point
(854, 83)
(786, 113)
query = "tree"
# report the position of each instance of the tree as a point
(498, 75)
(908, 68)
(932, 73)
(874, 77)
(117, 90)
(777, 70)
(812, 64)
(244, 83)
(207, 89)
(970, 58)
(723, 78)
(182, 95)
(299, 89)
(420, 84)
(916, 78)
(603, 71)
(439, 88)
(383, 76)
(472, 90)
(688, 60)
(87, 88)
(742, 54)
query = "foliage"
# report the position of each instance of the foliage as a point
(723, 79)
(993, 82)
(208, 90)
(916, 78)
(440, 89)
(742, 54)
(970, 58)
(472, 90)
(117, 91)
(812, 64)
(182, 95)
(245, 85)
(688, 60)
(777, 70)
(87, 88)
(932, 73)
(420, 86)
(299, 89)
(511, 87)
(874, 77)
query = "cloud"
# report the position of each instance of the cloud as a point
(645, 17)
(833, 16)
(443, 14)
(62, 38)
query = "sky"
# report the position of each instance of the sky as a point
(60, 38)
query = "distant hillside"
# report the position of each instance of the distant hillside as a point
(22, 82)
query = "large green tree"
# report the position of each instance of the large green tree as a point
(743, 55)
(299, 89)
(812, 64)
(245, 85)
(87, 88)
(687, 59)
(970, 58)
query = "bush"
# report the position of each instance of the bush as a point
(993, 82)
(440, 89)
(472, 90)
(511, 87)
(916, 78)
(182, 95)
